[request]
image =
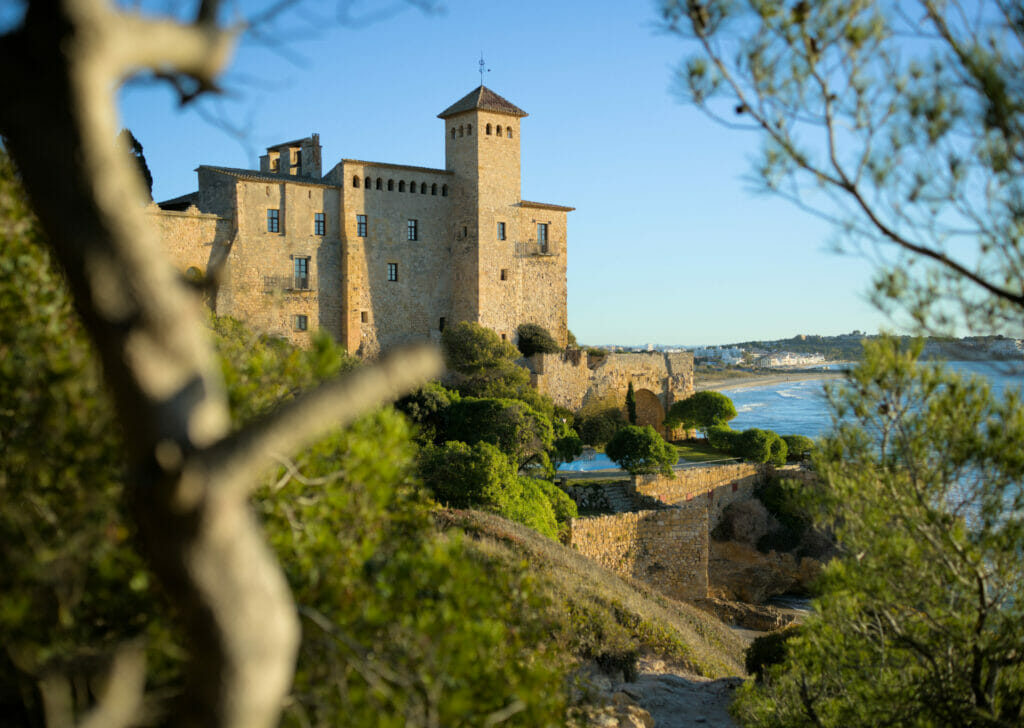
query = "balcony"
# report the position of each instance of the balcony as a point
(289, 284)
(529, 248)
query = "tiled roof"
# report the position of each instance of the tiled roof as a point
(482, 98)
(264, 176)
(181, 202)
(545, 206)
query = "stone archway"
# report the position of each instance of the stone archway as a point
(649, 410)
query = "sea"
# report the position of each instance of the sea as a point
(800, 407)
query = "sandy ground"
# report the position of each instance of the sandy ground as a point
(761, 380)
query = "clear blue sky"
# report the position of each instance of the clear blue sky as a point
(667, 243)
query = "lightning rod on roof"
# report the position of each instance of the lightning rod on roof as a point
(483, 68)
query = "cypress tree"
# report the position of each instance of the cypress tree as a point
(631, 404)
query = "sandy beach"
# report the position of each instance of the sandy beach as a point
(760, 380)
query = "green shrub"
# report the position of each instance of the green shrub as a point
(799, 447)
(756, 445)
(702, 410)
(599, 420)
(777, 450)
(768, 650)
(465, 476)
(564, 507)
(535, 339)
(529, 505)
(470, 348)
(641, 450)
(427, 408)
(514, 427)
(724, 439)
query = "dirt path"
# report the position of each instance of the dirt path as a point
(675, 698)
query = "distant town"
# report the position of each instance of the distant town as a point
(808, 351)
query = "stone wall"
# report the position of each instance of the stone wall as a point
(668, 546)
(192, 239)
(665, 548)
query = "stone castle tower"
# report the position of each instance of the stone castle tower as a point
(380, 254)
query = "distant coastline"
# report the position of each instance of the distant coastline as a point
(722, 384)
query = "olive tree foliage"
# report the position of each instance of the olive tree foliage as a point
(919, 622)
(902, 122)
(189, 474)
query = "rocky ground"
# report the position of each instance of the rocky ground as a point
(661, 695)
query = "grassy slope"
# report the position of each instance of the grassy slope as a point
(597, 614)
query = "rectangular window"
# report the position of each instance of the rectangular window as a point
(542, 236)
(361, 225)
(273, 222)
(412, 232)
(392, 271)
(440, 324)
(318, 223)
(504, 274)
(301, 322)
(501, 231)
(301, 273)
(364, 317)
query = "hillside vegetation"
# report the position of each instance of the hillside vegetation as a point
(597, 614)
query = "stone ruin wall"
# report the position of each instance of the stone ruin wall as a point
(668, 547)
(665, 548)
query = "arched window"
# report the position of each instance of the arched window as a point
(461, 130)
(488, 128)
(433, 189)
(412, 187)
(368, 183)
(355, 181)
(401, 185)
(508, 131)
(378, 183)
(453, 132)
(444, 191)
(391, 185)
(423, 188)
(499, 129)
(469, 130)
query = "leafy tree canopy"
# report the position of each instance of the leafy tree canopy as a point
(513, 426)
(470, 348)
(902, 122)
(641, 450)
(702, 411)
(919, 621)
(535, 339)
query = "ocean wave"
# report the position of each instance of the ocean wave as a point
(789, 394)
(750, 406)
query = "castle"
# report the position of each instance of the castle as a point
(379, 254)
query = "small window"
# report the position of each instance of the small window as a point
(273, 222)
(469, 130)
(412, 187)
(508, 132)
(423, 188)
(401, 185)
(367, 183)
(461, 131)
(318, 223)
(440, 324)
(275, 164)
(355, 182)
(542, 236)
(298, 158)
(433, 189)
(504, 338)
(504, 274)
(465, 232)
(444, 191)
(488, 129)
(364, 317)
(361, 225)
(301, 322)
(300, 269)
(378, 183)
(391, 185)
(453, 132)
(499, 129)
(392, 271)
(411, 230)
(501, 231)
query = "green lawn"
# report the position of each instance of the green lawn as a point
(698, 452)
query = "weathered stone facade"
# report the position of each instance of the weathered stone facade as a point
(572, 380)
(665, 541)
(381, 254)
